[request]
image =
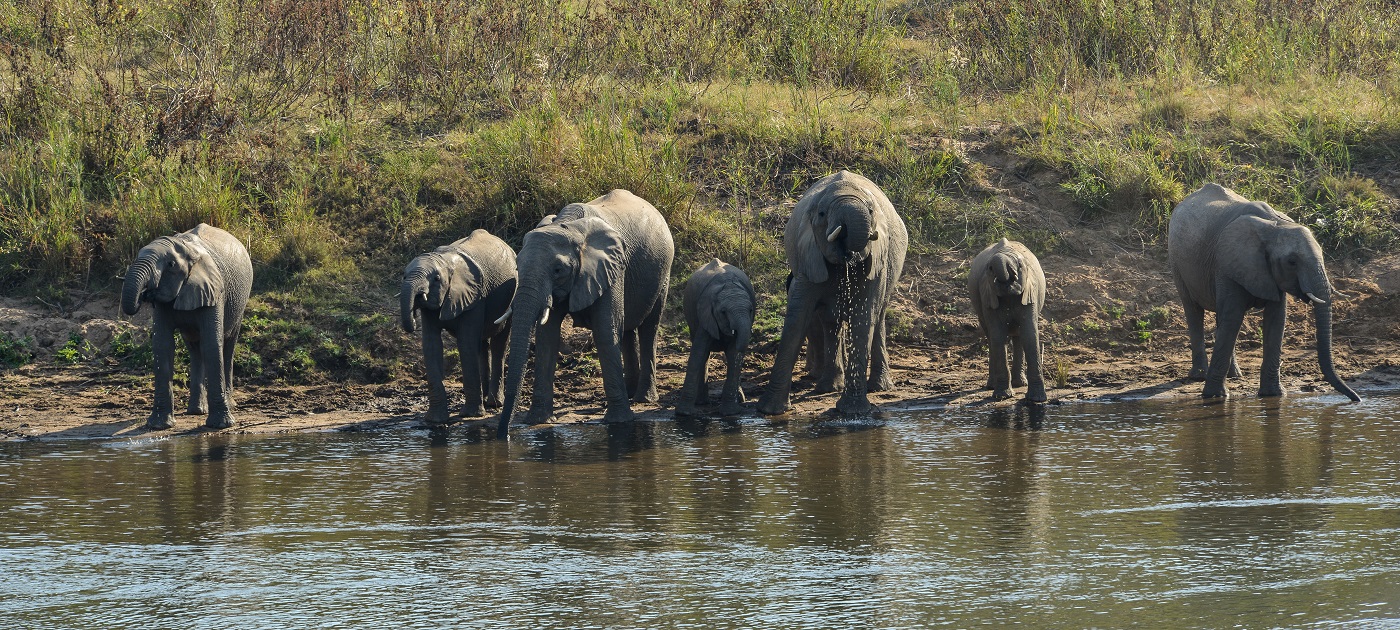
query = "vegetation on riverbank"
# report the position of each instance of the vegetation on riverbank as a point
(339, 138)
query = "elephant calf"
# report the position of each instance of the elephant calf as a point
(1007, 289)
(720, 306)
(1230, 255)
(465, 289)
(198, 283)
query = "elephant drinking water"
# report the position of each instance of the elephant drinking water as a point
(198, 283)
(606, 263)
(1229, 255)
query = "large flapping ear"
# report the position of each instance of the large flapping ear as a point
(1241, 255)
(600, 258)
(709, 317)
(463, 285)
(1032, 280)
(204, 285)
(881, 213)
(804, 252)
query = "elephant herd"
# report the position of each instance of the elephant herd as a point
(607, 265)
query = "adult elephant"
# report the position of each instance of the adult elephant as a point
(1229, 255)
(606, 263)
(462, 288)
(845, 246)
(1007, 289)
(198, 283)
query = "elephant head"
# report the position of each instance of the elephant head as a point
(445, 280)
(1274, 258)
(176, 270)
(1007, 277)
(840, 227)
(729, 311)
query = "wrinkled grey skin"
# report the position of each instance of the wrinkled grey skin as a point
(462, 288)
(719, 306)
(197, 283)
(1229, 255)
(606, 263)
(1007, 289)
(845, 246)
(825, 361)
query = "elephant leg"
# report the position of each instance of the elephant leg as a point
(815, 363)
(211, 341)
(646, 379)
(198, 404)
(605, 338)
(880, 380)
(775, 399)
(693, 392)
(546, 360)
(163, 349)
(827, 332)
(1222, 356)
(432, 364)
(230, 343)
(630, 361)
(498, 355)
(732, 397)
(862, 326)
(1195, 332)
(998, 373)
(1235, 366)
(469, 351)
(1275, 316)
(1018, 364)
(1029, 342)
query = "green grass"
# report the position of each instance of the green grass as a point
(338, 139)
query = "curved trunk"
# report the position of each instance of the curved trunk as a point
(858, 224)
(524, 317)
(137, 277)
(1323, 314)
(413, 287)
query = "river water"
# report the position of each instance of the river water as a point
(1258, 513)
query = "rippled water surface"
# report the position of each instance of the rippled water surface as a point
(1252, 513)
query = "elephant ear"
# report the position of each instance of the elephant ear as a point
(204, 286)
(709, 319)
(1032, 285)
(879, 243)
(463, 287)
(804, 253)
(1242, 256)
(600, 261)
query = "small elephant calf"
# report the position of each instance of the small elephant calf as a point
(464, 288)
(719, 307)
(1007, 289)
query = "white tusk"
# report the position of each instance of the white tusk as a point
(874, 235)
(545, 317)
(834, 233)
(502, 319)
(1315, 299)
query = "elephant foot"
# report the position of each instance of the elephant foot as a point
(991, 385)
(1215, 390)
(615, 415)
(647, 395)
(731, 408)
(1197, 374)
(853, 405)
(543, 416)
(1035, 396)
(197, 409)
(495, 402)
(1235, 372)
(219, 420)
(1270, 391)
(686, 411)
(771, 405)
(1018, 380)
(1002, 393)
(881, 384)
(471, 411)
(158, 421)
(826, 386)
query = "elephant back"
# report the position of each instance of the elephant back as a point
(1193, 233)
(231, 258)
(649, 247)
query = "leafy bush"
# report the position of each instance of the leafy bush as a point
(15, 351)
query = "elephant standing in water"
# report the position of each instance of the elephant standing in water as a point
(462, 288)
(1229, 255)
(719, 306)
(198, 283)
(845, 246)
(1007, 289)
(607, 263)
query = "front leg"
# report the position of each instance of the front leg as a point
(471, 351)
(646, 338)
(163, 349)
(432, 364)
(1030, 346)
(880, 380)
(693, 391)
(775, 399)
(606, 322)
(546, 360)
(998, 374)
(1275, 316)
(1227, 328)
(198, 403)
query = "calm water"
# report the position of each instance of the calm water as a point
(1251, 513)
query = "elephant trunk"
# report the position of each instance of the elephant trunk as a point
(1323, 314)
(414, 289)
(525, 311)
(138, 279)
(858, 228)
